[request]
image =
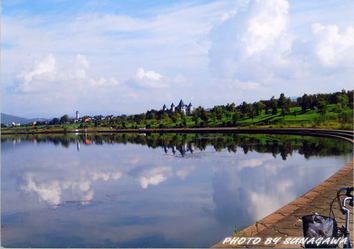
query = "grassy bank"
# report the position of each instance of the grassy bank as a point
(332, 119)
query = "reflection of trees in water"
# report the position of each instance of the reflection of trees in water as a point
(282, 145)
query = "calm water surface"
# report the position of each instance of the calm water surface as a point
(152, 190)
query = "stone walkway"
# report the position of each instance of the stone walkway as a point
(286, 222)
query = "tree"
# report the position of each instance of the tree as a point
(219, 112)
(231, 107)
(195, 119)
(285, 109)
(322, 106)
(274, 105)
(174, 117)
(343, 100)
(64, 119)
(55, 121)
(305, 102)
(235, 117)
(259, 106)
(282, 101)
(252, 111)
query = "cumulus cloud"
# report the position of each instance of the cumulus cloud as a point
(73, 73)
(44, 70)
(150, 79)
(49, 192)
(334, 47)
(52, 191)
(154, 176)
(266, 23)
(255, 49)
(259, 47)
(47, 75)
(247, 44)
(82, 65)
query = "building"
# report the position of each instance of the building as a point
(181, 107)
(173, 109)
(77, 116)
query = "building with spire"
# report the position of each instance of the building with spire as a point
(173, 109)
(181, 107)
(77, 115)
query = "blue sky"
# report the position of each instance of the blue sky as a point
(109, 56)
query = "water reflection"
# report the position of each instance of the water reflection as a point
(187, 143)
(157, 190)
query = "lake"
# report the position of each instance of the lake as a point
(153, 190)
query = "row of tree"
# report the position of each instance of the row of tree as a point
(274, 106)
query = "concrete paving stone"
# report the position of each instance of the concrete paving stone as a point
(271, 219)
(288, 209)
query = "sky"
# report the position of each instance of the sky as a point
(113, 57)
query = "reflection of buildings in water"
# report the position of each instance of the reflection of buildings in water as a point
(190, 147)
(77, 145)
(87, 141)
(182, 149)
(282, 146)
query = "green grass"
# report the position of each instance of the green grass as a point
(333, 119)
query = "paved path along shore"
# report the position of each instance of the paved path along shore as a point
(286, 221)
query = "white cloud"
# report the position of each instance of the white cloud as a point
(249, 45)
(49, 191)
(247, 85)
(266, 23)
(259, 47)
(52, 190)
(150, 79)
(112, 81)
(183, 173)
(258, 50)
(106, 176)
(333, 47)
(82, 65)
(154, 176)
(269, 204)
(45, 70)
(252, 163)
(148, 75)
(151, 180)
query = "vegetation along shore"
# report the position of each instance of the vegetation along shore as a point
(326, 111)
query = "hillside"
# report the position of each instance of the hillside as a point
(8, 119)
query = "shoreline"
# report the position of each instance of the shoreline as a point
(348, 135)
(286, 221)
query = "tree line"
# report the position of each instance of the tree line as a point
(225, 115)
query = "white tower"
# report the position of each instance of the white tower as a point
(77, 115)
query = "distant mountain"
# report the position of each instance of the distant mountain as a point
(8, 119)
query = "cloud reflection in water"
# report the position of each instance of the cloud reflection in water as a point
(133, 195)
